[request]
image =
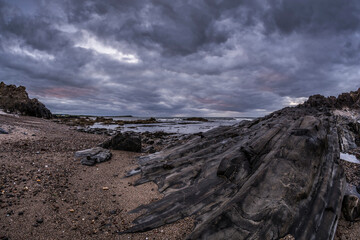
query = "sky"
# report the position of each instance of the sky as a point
(208, 58)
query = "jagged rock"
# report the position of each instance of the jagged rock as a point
(16, 99)
(346, 100)
(128, 141)
(263, 179)
(93, 155)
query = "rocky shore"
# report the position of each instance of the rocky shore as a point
(282, 176)
(270, 178)
(46, 194)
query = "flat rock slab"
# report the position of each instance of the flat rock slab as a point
(90, 157)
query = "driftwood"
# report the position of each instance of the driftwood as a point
(262, 179)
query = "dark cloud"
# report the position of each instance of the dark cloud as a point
(159, 57)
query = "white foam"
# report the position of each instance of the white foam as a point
(349, 158)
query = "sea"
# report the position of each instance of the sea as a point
(172, 124)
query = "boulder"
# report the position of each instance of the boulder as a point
(92, 156)
(15, 99)
(128, 141)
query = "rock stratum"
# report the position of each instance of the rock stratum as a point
(16, 100)
(263, 179)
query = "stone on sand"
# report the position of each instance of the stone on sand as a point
(93, 155)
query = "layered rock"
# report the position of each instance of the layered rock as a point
(16, 100)
(90, 157)
(264, 179)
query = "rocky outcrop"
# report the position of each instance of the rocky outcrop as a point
(345, 100)
(90, 157)
(266, 179)
(16, 100)
(128, 141)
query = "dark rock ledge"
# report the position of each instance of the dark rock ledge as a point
(263, 179)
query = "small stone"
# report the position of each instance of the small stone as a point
(39, 220)
(71, 210)
(2, 131)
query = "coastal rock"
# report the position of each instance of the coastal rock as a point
(263, 179)
(15, 99)
(93, 155)
(197, 119)
(128, 141)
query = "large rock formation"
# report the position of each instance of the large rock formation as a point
(15, 99)
(263, 179)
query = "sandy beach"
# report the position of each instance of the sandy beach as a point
(46, 194)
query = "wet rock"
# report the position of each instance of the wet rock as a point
(94, 155)
(128, 141)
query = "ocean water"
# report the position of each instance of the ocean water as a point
(172, 124)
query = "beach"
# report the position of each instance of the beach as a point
(46, 194)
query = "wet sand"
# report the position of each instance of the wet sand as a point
(46, 194)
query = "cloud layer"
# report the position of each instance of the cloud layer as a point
(172, 58)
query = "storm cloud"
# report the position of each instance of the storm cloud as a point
(179, 58)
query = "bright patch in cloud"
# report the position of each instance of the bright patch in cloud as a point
(90, 42)
(34, 54)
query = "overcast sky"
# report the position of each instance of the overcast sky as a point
(179, 58)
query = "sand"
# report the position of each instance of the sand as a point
(46, 194)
